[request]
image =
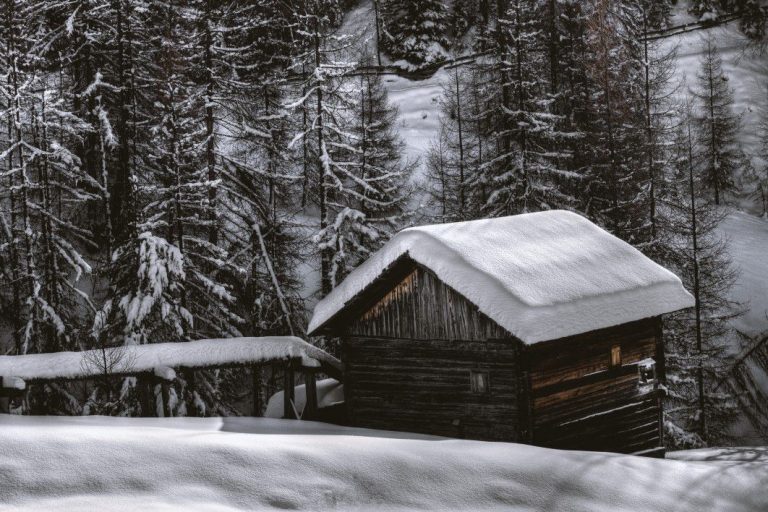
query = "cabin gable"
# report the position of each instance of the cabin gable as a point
(417, 305)
(420, 357)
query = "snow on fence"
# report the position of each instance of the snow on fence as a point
(158, 360)
(155, 357)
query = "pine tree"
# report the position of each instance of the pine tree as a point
(454, 166)
(326, 103)
(415, 31)
(613, 124)
(718, 124)
(369, 203)
(525, 171)
(259, 178)
(658, 107)
(43, 241)
(699, 411)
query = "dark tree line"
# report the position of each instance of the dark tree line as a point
(152, 156)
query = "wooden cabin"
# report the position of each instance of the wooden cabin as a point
(539, 328)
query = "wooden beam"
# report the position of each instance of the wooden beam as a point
(258, 399)
(310, 384)
(144, 385)
(288, 391)
(166, 394)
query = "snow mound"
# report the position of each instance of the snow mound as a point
(541, 276)
(329, 392)
(234, 464)
(159, 358)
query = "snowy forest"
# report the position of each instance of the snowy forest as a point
(197, 169)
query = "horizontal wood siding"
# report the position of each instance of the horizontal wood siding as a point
(424, 386)
(580, 402)
(408, 358)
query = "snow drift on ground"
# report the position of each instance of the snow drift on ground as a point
(541, 276)
(231, 464)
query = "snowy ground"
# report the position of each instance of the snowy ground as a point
(748, 246)
(418, 103)
(216, 464)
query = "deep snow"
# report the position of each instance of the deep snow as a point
(541, 276)
(229, 464)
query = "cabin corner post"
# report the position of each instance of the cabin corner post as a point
(661, 366)
(661, 374)
(525, 395)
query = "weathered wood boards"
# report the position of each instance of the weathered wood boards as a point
(412, 346)
(581, 400)
(410, 357)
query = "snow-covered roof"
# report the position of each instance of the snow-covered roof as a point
(157, 357)
(541, 276)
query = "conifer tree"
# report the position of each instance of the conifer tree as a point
(415, 31)
(718, 123)
(699, 410)
(525, 171)
(613, 123)
(369, 200)
(323, 137)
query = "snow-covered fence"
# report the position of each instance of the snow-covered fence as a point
(157, 361)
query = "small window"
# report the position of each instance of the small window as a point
(615, 356)
(478, 381)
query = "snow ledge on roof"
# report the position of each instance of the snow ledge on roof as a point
(541, 276)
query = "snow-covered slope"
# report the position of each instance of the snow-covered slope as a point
(747, 237)
(214, 464)
(418, 103)
(747, 73)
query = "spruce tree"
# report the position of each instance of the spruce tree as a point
(699, 410)
(613, 123)
(718, 123)
(368, 204)
(415, 31)
(525, 172)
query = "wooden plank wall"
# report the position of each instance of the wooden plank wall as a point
(408, 360)
(580, 402)
(437, 312)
